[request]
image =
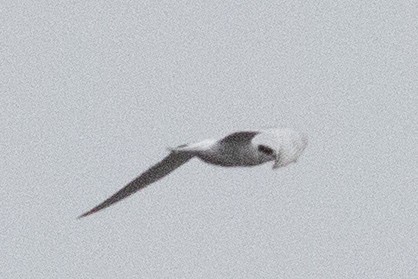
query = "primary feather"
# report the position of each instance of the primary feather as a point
(156, 172)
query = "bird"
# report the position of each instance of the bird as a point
(245, 148)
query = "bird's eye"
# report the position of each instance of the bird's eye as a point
(265, 149)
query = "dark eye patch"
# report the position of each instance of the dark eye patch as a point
(265, 149)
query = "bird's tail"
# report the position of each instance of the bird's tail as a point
(177, 148)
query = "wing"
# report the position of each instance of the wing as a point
(156, 172)
(242, 137)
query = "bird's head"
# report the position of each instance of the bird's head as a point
(283, 146)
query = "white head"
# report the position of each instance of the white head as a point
(284, 146)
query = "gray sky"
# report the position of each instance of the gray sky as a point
(93, 93)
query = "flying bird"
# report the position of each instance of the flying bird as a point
(283, 146)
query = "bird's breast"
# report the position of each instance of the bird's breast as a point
(230, 156)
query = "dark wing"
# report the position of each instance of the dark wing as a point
(156, 172)
(240, 137)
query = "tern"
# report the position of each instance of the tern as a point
(283, 146)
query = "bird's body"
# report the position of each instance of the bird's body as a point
(225, 155)
(239, 149)
(231, 156)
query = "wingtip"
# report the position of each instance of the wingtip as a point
(81, 216)
(86, 214)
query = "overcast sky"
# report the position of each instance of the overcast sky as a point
(92, 93)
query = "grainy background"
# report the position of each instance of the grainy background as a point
(92, 92)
